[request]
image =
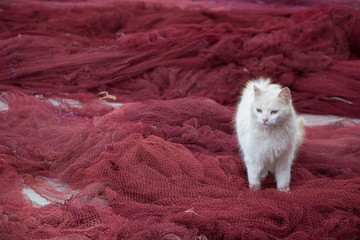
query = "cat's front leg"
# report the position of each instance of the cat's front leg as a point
(254, 172)
(282, 174)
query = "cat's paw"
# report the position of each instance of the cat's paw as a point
(284, 189)
(255, 187)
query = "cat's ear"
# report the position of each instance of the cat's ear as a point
(285, 94)
(257, 91)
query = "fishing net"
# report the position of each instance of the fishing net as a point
(120, 116)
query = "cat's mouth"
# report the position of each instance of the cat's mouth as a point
(265, 125)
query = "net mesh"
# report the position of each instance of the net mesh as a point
(165, 165)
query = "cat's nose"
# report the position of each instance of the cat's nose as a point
(265, 120)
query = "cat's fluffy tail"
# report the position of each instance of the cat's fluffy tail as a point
(300, 134)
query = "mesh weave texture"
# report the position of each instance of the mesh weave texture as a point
(165, 165)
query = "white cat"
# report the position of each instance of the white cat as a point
(268, 131)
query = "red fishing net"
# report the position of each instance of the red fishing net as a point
(165, 165)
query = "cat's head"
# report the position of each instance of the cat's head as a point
(272, 107)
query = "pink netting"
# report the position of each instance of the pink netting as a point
(165, 165)
(141, 51)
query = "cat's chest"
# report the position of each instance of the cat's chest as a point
(272, 143)
(268, 149)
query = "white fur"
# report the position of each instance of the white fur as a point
(271, 145)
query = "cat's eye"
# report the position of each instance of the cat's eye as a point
(274, 112)
(259, 110)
